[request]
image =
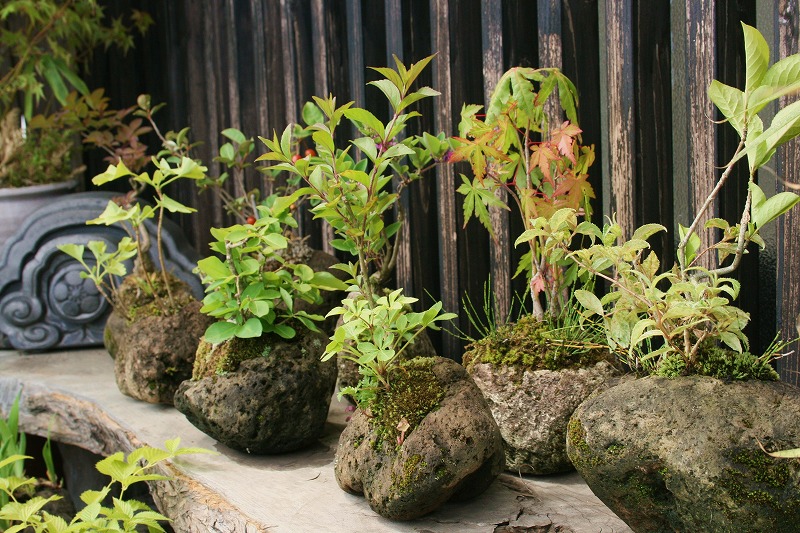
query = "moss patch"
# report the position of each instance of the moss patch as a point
(584, 457)
(533, 344)
(414, 470)
(414, 391)
(720, 363)
(139, 297)
(212, 360)
(757, 480)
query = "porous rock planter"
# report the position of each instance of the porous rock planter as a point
(532, 405)
(682, 454)
(154, 352)
(266, 395)
(453, 449)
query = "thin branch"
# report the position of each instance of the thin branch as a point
(709, 200)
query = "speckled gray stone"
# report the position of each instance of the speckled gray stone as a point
(682, 454)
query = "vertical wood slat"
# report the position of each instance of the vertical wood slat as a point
(232, 75)
(445, 180)
(701, 132)
(788, 30)
(550, 48)
(319, 40)
(261, 72)
(616, 52)
(261, 76)
(211, 60)
(394, 46)
(290, 77)
(355, 51)
(492, 39)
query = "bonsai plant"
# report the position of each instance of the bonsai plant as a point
(44, 44)
(154, 328)
(388, 451)
(534, 372)
(258, 383)
(678, 449)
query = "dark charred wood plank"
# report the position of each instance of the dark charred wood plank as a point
(616, 52)
(500, 247)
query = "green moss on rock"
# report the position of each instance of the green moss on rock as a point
(138, 298)
(720, 363)
(414, 391)
(212, 359)
(535, 345)
(414, 469)
(581, 453)
(756, 479)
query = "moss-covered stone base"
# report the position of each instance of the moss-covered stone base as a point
(682, 454)
(535, 345)
(154, 352)
(450, 449)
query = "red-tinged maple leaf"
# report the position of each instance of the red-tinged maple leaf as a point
(580, 190)
(537, 284)
(541, 156)
(565, 183)
(564, 136)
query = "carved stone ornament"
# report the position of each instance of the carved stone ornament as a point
(44, 302)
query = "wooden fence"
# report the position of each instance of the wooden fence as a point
(642, 69)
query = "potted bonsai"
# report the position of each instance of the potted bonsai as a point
(536, 371)
(153, 330)
(678, 450)
(383, 256)
(258, 383)
(44, 46)
(421, 433)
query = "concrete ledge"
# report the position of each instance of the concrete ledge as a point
(73, 395)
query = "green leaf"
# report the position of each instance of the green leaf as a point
(731, 340)
(784, 454)
(284, 331)
(731, 103)
(213, 267)
(784, 127)
(756, 57)
(366, 118)
(234, 135)
(390, 90)
(368, 146)
(250, 329)
(113, 172)
(73, 250)
(53, 77)
(324, 138)
(764, 211)
(174, 206)
(424, 92)
(645, 231)
(692, 245)
(398, 150)
(589, 301)
(220, 332)
(312, 114)
(327, 281)
(70, 75)
(113, 213)
(227, 152)
(415, 70)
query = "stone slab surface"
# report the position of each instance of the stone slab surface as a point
(73, 395)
